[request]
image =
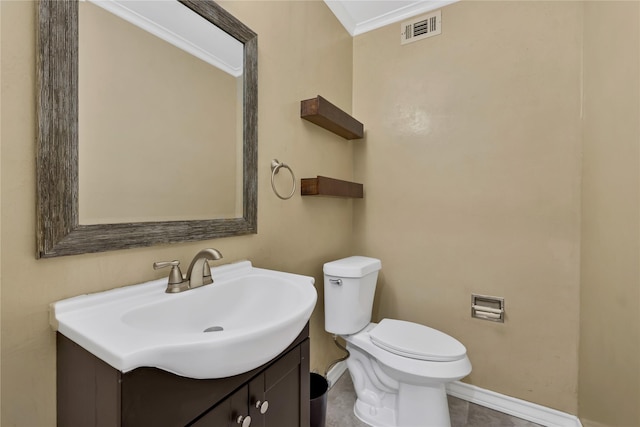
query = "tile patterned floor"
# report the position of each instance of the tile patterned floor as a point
(463, 414)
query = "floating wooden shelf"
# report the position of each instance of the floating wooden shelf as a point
(323, 186)
(323, 113)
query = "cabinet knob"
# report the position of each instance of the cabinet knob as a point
(244, 421)
(262, 406)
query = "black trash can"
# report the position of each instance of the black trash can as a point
(319, 388)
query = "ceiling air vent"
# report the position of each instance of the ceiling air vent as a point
(421, 27)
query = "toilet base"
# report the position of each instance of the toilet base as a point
(416, 406)
(395, 391)
(377, 417)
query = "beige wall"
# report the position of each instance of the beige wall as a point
(472, 178)
(0, 208)
(303, 51)
(472, 171)
(609, 380)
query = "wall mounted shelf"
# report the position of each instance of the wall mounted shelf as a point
(323, 186)
(324, 114)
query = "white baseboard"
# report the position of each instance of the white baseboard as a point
(336, 372)
(509, 405)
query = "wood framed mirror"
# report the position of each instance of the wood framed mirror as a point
(60, 230)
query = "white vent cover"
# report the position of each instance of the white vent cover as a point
(421, 27)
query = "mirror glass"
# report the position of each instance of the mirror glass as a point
(159, 114)
(147, 124)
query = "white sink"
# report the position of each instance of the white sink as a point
(244, 319)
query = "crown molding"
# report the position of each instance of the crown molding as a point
(356, 25)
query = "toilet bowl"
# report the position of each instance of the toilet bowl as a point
(399, 369)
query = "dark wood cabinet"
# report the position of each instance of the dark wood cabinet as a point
(231, 412)
(267, 399)
(276, 387)
(92, 393)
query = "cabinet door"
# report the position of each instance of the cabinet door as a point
(227, 412)
(279, 386)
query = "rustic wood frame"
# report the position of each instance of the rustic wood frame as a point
(58, 230)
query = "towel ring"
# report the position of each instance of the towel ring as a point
(275, 168)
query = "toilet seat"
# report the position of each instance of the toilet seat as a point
(407, 369)
(416, 341)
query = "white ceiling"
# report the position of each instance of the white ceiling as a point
(360, 16)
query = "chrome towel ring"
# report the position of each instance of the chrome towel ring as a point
(275, 168)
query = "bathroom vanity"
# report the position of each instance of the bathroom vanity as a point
(231, 353)
(92, 393)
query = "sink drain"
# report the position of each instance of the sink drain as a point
(214, 329)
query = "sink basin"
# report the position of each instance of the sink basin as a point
(244, 319)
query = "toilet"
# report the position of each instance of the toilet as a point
(399, 369)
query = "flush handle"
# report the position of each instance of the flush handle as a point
(336, 282)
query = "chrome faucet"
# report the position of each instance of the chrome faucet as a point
(199, 272)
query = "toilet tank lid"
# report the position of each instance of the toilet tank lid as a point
(355, 266)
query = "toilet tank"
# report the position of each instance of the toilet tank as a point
(349, 287)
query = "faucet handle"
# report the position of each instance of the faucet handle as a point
(175, 275)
